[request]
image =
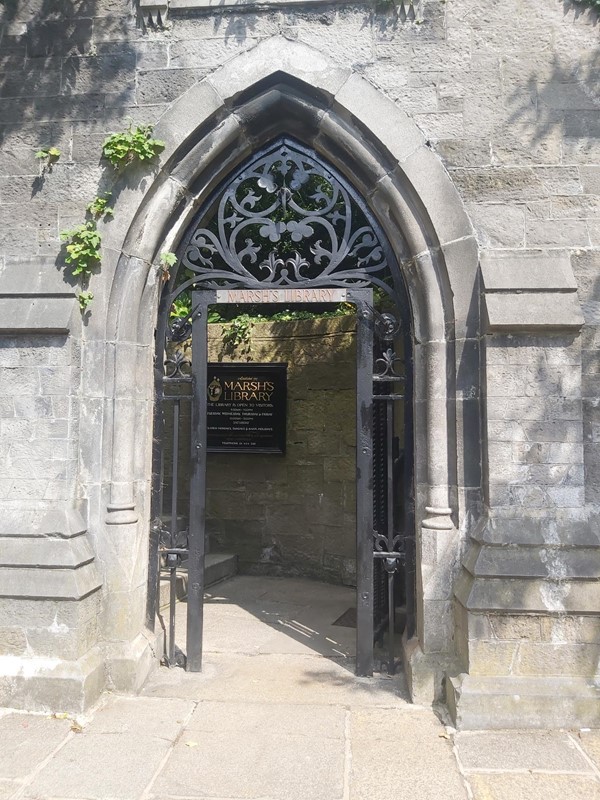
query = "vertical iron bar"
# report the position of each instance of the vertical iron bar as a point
(175, 472)
(391, 622)
(200, 303)
(172, 602)
(408, 493)
(173, 532)
(389, 443)
(364, 479)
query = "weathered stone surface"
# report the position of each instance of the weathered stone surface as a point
(534, 787)
(527, 270)
(529, 311)
(519, 751)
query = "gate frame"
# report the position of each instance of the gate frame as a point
(202, 299)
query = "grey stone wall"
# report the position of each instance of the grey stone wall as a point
(507, 98)
(39, 423)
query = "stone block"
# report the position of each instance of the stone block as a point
(571, 659)
(47, 684)
(510, 702)
(590, 179)
(165, 85)
(57, 37)
(491, 657)
(550, 233)
(563, 629)
(300, 61)
(516, 627)
(498, 224)
(532, 311)
(207, 54)
(497, 184)
(341, 468)
(115, 73)
(527, 270)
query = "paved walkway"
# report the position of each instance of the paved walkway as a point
(278, 715)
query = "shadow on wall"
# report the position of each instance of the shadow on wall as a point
(564, 95)
(580, 8)
(61, 61)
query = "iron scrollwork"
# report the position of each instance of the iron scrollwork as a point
(285, 220)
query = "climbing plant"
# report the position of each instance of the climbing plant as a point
(48, 156)
(83, 243)
(134, 144)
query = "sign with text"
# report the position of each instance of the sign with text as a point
(318, 294)
(246, 408)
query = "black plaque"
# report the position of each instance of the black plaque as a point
(246, 409)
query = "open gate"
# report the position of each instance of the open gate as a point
(359, 259)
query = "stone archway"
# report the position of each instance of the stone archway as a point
(284, 87)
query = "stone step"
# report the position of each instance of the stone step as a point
(217, 567)
(500, 702)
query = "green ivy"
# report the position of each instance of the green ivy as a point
(99, 207)
(167, 260)
(83, 248)
(83, 243)
(48, 156)
(85, 298)
(134, 144)
(238, 330)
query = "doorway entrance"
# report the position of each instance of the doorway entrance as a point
(286, 229)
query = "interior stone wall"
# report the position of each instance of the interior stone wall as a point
(292, 514)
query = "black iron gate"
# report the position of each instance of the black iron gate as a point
(327, 238)
(384, 552)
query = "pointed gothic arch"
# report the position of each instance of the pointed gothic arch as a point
(280, 88)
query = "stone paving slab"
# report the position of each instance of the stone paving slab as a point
(99, 766)
(278, 679)
(27, 740)
(402, 750)
(283, 719)
(244, 765)
(534, 787)
(8, 789)
(539, 750)
(590, 742)
(141, 716)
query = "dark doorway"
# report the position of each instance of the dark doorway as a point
(260, 233)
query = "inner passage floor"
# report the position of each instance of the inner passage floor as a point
(249, 615)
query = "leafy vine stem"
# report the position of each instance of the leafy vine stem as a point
(83, 243)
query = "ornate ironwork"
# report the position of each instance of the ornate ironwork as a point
(385, 366)
(286, 220)
(178, 365)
